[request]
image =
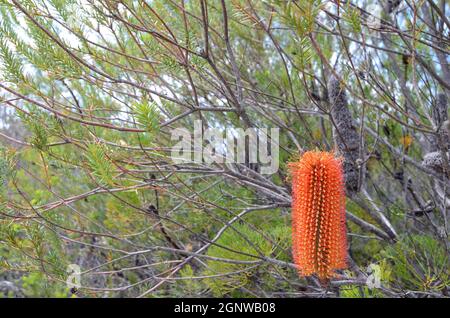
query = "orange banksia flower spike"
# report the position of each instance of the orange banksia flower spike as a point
(318, 215)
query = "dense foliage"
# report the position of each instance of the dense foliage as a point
(90, 92)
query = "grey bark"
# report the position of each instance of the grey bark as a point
(345, 137)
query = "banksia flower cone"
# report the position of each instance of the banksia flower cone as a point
(318, 215)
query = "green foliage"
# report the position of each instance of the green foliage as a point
(379, 272)
(7, 165)
(191, 286)
(35, 285)
(42, 125)
(147, 115)
(418, 262)
(241, 243)
(81, 186)
(354, 17)
(11, 65)
(99, 164)
(305, 53)
(301, 15)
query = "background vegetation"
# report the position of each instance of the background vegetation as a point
(91, 90)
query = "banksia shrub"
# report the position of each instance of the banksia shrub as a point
(318, 215)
